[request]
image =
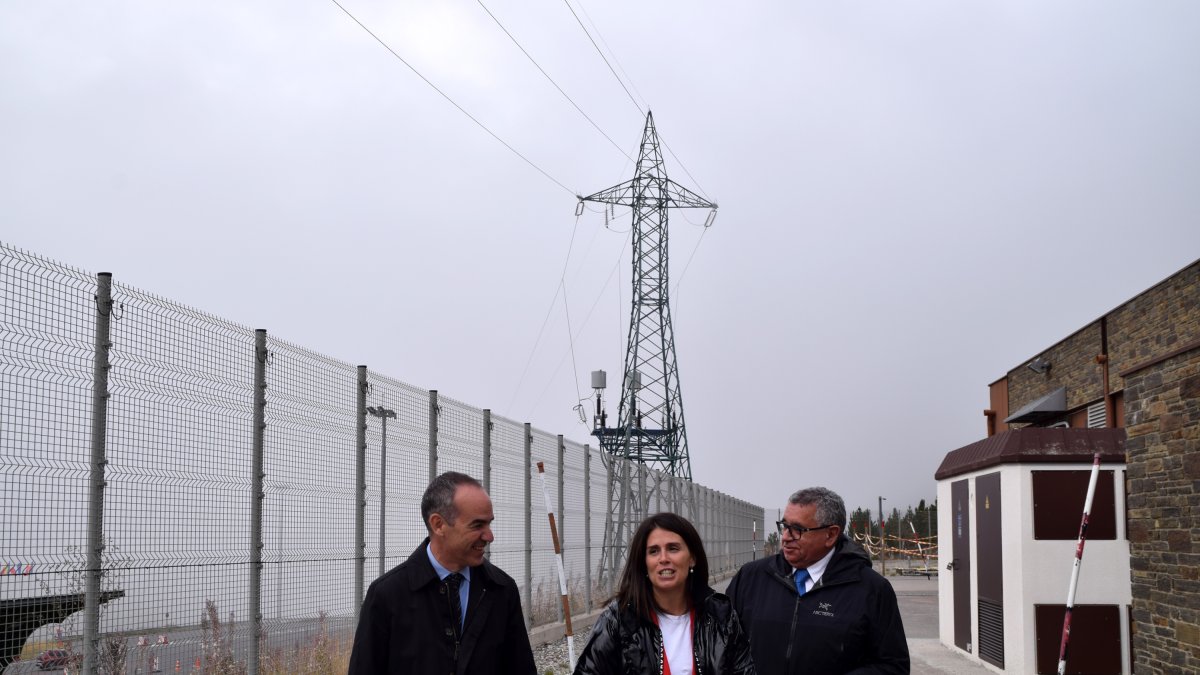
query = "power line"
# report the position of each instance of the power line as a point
(613, 53)
(571, 340)
(686, 265)
(620, 318)
(685, 170)
(605, 58)
(543, 72)
(452, 101)
(561, 288)
(622, 83)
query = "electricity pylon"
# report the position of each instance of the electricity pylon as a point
(650, 430)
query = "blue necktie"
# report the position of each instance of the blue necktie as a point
(801, 579)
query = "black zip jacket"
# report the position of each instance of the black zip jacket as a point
(623, 643)
(847, 623)
(405, 625)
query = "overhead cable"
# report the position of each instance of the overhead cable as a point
(560, 89)
(622, 83)
(605, 58)
(579, 331)
(560, 288)
(452, 101)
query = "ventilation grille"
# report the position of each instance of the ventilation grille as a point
(991, 632)
(1096, 416)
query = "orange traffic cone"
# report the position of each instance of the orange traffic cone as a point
(177, 665)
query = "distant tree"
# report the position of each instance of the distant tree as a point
(860, 521)
(771, 546)
(893, 528)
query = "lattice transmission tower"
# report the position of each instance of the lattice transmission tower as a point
(650, 431)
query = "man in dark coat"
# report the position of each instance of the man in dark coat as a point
(817, 607)
(446, 610)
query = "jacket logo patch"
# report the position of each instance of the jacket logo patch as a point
(825, 606)
(824, 610)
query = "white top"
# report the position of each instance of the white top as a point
(677, 642)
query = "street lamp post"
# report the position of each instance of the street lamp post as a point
(383, 414)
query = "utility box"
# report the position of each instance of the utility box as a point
(1009, 512)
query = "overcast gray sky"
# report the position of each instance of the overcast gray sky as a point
(915, 196)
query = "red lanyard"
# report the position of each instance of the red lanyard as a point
(692, 626)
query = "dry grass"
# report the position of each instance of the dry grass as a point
(321, 655)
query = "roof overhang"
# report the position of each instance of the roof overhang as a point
(1048, 407)
(1035, 445)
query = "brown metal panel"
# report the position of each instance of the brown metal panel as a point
(990, 568)
(1130, 628)
(1118, 400)
(960, 564)
(988, 541)
(1078, 419)
(998, 397)
(1058, 498)
(1095, 647)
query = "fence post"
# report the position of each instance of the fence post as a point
(95, 532)
(257, 496)
(528, 526)
(360, 490)
(433, 434)
(609, 570)
(722, 532)
(726, 523)
(487, 450)
(587, 527)
(562, 531)
(562, 450)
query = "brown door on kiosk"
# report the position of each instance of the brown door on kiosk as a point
(989, 570)
(960, 563)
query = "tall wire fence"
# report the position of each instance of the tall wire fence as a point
(184, 494)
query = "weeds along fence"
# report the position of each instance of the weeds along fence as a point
(181, 492)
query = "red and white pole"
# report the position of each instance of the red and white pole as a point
(1087, 509)
(562, 576)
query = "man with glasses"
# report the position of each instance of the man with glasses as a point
(817, 607)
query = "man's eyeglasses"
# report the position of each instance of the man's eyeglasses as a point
(797, 530)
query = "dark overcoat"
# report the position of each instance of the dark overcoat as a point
(405, 624)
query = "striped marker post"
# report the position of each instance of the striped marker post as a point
(562, 577)
(1087, 509)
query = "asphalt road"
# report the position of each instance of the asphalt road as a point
(918, 600)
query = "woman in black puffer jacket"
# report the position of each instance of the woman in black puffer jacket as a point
(665, 620)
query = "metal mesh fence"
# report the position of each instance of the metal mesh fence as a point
(139, 534)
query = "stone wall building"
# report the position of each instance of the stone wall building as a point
(1163, 448)
(1136, 368)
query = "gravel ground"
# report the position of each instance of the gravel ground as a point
(551, 658)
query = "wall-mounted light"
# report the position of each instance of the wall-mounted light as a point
(1038, 365)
